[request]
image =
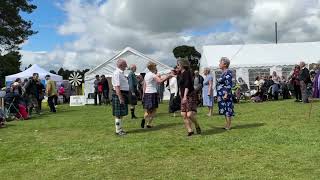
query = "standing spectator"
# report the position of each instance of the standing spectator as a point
(96, 90)
(197, 85)
(150, 98)
(105, 88)
(207, 90)
(51, 91)
(225, 102)
(275, 86)
(62, 93)
(174, 104)
(296, 83)
(40, 93)
(133, 89)
(316, 83)
(120, 95)
(140, 86)
(160, 90)
(31, 91)
(188, 97)
(304, 78)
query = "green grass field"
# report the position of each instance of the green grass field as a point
(273, 140)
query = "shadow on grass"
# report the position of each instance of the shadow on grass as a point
(155, 128)
(218, 130)
(245, 126)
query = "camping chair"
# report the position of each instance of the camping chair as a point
(11, 107)
(244, 91)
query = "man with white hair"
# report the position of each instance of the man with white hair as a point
(120, 95)
(305, 79)
(133, 87)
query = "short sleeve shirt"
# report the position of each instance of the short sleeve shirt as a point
(186, 81)
(119, 79)
(151, 83)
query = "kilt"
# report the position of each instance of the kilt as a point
(118, 109)
(133, 100)
(150, 101)
(191, 104)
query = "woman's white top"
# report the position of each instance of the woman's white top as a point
(150, 83)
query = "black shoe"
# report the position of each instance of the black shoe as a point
(190, 133)
(148, 126)
(121, 133)
(134, 117)
(143, 123)
(198, 129)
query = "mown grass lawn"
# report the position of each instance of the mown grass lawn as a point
(273, 140)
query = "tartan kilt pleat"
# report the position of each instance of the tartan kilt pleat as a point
(150, 101)
(117, 108)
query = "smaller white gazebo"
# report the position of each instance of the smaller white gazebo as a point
(29, 72)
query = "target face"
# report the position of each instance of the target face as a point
(75, 79)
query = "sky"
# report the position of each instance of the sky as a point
(80, 34)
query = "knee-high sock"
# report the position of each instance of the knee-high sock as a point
(118, 125)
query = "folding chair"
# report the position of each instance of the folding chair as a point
(11, 109)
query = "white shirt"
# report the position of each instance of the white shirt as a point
(151, 83)
(119, 79)
(173, 86)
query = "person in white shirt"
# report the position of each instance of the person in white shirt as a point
(150, 96)
(174, 104)
(120, 95)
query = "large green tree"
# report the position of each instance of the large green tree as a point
(189, 52)
(14, 30)
(10, 64)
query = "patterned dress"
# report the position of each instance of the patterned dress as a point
(224, 86)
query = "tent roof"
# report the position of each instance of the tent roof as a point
(29, 72)
(132, 56)
(261, 54)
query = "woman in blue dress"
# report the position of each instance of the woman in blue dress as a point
(207, 91)
(224, 92)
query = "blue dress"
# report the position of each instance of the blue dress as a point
(207, 100)
(224, 86)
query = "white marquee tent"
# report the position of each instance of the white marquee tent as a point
(29, 72)
(251, 60)
(107, 68)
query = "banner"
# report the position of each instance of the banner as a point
(77, 101)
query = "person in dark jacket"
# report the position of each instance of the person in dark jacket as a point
(305, 79)
(31, 91)
(105, 88)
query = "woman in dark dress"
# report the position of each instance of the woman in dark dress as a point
(224, 87)
(188, 97)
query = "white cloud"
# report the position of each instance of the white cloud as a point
(155, 27)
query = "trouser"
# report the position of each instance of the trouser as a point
(40, 104)
(95, 98)
(51, 103)
(304, 94)
(297, 92)
(106, 96)
(33, 103)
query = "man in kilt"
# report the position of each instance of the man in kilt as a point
(133, 87)
(120, 95)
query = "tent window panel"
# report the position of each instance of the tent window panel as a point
(219, 72)
(286, 71)
(253, 73)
